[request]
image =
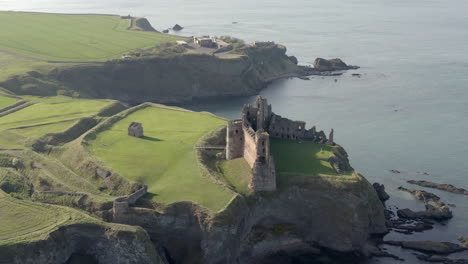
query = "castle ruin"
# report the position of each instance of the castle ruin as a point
(249, 137)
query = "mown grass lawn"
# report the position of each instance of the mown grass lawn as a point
(302, 157)
(165, 158)
(72, 37)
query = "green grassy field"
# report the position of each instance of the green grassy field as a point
(6, 101)
(72, 37)
(24, 220)
(237, 172)
(12, 64)
(302, 158)
(165, 158)
(52, 110)
(47, 115)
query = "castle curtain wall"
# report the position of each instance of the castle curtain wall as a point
(250, 147)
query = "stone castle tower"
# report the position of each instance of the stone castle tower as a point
(249, 137)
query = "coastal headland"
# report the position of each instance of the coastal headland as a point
(153, 183)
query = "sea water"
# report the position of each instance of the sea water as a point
(409, 109)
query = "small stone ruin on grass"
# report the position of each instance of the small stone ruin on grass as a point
(135, 129)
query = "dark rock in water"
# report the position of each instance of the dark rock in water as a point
(356, 75)
(293, 59)
(440, 186)
(332, 65)
(395, 171)
(416, 227)
(438, 210)
(304, 78)
(421, 195)
(380, 189)
(428, 246)
(165, 31)
(434, 210)
(438, 259)
(410, 214)
(177, 27)
(463, 241)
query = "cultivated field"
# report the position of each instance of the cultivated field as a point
(165, 158)
(72, 37)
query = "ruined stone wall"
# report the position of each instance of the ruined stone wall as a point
(263, 175)
(250, 146)
(249, 115)
(120, 208)
(121, 204)
(281, 127)
(234, 140)
(263, 144)
(132, 198)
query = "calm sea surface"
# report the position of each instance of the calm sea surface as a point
(408, 111)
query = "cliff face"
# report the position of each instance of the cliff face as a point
(85, 243)
(168, 79)
(322, 213)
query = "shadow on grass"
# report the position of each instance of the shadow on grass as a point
(151, 138)
(150, 196)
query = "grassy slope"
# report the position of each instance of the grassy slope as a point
(72, 37)
(237, 172)
(6, 101)
(24, 220)
(165, 158)
(12, 64)
(47, 115)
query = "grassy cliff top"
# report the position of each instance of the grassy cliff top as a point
(63, 37)
(23, 220)
(304, 159)
(42, 115)
(165, 157)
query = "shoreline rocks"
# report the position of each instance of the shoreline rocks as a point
(440, 186)
(380, 189)
(177, 27)
(438, 259)
(322, 64)
(427, 246)
(463, 241)
(421, 195)
(435, 209)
